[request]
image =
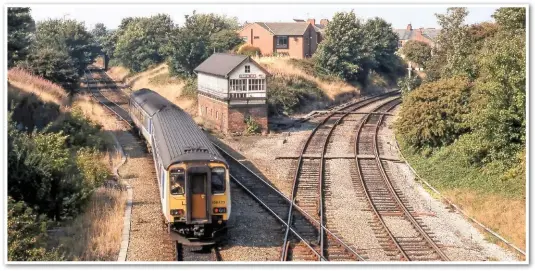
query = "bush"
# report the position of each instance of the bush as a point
(407, 84)
(27, 234)
(249, 50)
(91, 166)
(433, 115)
(189, 90)
(286, 94)
(252, 125)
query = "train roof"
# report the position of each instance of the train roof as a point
(177, 136)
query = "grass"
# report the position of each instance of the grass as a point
(96, 234)
(480, 192)
(46, 90)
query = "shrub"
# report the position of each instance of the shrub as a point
(189, 90)
(287, 93)
(252, 125)
(407, 84)
(27, 234)
(249, 50)
(90, 165)
(433, 115)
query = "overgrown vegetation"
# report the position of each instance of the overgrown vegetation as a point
(252, 127)
(287, 93)
(249, 50)
(352, 49)
(464, 127)
(416, 51)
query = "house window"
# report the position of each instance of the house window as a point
(238, 84)
(282, 42)
(256, 37)
(256, 84)
(247, 69)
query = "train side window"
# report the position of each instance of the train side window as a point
(218, 180)
(176, 184)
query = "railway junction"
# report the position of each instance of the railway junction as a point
(333, 189)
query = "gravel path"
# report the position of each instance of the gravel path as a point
(149, 240)
(461, 241)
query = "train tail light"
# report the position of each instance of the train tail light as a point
(177, 212)
(221, 210)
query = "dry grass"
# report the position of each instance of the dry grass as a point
(503, 215)
(46, 90)
(282, 67)
(96, 234)
(153, 79)
(96, 113)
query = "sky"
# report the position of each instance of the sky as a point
(399, 15)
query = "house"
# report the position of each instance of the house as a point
(427, 35)
(232, 89)
(298, 39)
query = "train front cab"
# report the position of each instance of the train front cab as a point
(199, 201)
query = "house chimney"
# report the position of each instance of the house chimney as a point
(312, 21)
(409, 27)
(324, 22)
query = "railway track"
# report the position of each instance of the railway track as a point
(309, 185)
(192, 253)
(390, 209)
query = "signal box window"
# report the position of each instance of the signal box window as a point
(247, 69)
(177, 181)
(218, 180)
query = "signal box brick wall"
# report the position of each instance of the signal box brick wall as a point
(219, 115)
(238, 114)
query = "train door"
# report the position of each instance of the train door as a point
(198, 186)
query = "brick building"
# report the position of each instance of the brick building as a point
(298, 39)
(232, 88)
(427, 35)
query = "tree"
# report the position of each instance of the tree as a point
(143, 41)
(511, 19)
(383, 42)
(453, 47)
(343, 52)
(20, 28)
(198, 38)
(418, 52)
(68, 35)
(499, 98)
(434, 114)
(26, 234)
(54, 64)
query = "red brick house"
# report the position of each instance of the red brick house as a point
(427, 35)
(298, 39)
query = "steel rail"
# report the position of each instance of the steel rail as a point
(244, 187)
(299, 209)
(365, 188)
(408, 215)
(359, 104)
(102, 103)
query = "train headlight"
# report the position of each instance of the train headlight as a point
(221, 210)
(177, 212)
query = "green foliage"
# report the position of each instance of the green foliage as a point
(20, 28)
(252, 126)
(190, 88)
(418, 52)
(351, 49)
(225, 40)
(433, 115)
(143, 41)
(499, 97)
(408, 84)
(511, 19)
(480, 32)
(29, 111)
(453, 47)
(55, 65)
(197, 39)
(93, 170)
(81, 132)
(342, 52)
(287, 94)
(104, 39)
(27, 234)
(249, 50)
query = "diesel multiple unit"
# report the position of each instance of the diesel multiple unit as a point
(193, 177)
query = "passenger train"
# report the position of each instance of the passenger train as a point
(193, 177)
